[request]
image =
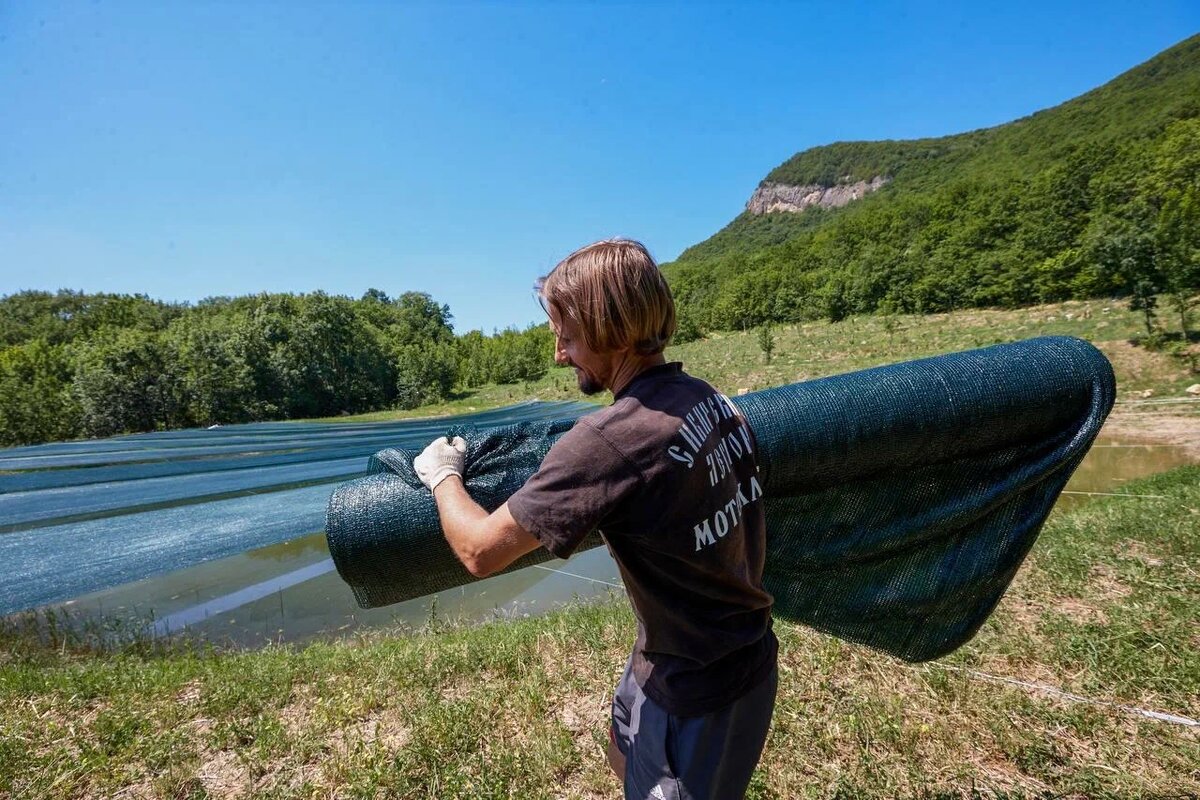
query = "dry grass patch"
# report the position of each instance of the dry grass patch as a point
(297, 716)
(189, 694)
(385, 728)
(1138, 551)
(1080, 611)
(1104, 584)
(225, 774)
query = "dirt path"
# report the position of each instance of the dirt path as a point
(1156, 427)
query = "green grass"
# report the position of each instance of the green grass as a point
(733, 362)
(1105, 607)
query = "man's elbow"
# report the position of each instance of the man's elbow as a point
(475, 559)
(479, 567)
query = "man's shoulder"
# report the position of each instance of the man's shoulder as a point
(663, 389)
(642, 422)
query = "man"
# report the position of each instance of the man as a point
(668, 473)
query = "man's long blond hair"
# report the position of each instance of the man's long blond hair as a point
(615, 293)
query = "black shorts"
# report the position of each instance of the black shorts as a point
(690, 758)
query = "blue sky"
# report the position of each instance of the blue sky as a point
(189, 150)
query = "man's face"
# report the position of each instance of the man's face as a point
(591, 369)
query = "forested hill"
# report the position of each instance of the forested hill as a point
(1097, 196)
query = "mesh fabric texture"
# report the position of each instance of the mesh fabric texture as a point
(900, 500)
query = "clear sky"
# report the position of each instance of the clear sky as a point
(185, 150)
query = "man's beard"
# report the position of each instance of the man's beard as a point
(587, 384)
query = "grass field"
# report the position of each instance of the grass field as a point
(1104, 608)
(733, 362)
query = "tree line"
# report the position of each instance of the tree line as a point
(75, 364)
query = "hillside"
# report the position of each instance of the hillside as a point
(1086, 199)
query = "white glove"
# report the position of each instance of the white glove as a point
(440, 460)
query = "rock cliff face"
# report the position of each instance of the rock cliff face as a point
(782, 197)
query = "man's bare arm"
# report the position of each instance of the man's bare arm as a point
(485, 543)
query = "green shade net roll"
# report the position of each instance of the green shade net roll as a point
(900, 500)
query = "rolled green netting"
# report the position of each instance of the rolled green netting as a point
(900, 500)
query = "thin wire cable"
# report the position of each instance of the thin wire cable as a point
(1160, 716)
(584, 577)
(1118, 494)
(1147, 444)
(1157, 402)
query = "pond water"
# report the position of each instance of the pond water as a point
(219, 532)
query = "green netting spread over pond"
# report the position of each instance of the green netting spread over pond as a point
(900, 500)
(82, 516)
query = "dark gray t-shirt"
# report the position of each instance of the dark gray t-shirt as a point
(669, 475)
